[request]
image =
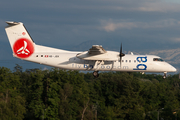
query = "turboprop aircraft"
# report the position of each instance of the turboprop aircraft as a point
(95, 59)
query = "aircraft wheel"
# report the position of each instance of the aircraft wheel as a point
(95, 74)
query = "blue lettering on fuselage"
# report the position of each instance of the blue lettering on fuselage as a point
(90, 66)
(141, 59)
(105, 67)
(141, 66)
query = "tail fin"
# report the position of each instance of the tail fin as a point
(20, 40)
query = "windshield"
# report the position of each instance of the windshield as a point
(158, 59)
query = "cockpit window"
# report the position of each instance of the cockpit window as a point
(158, 59)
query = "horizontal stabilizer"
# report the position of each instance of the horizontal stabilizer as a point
(12, 23)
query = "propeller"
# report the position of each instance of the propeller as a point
(121, 54)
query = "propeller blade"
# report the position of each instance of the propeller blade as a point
(121, 50)
(120, 61)
(121, 54)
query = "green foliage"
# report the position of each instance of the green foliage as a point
(12, 103)
(69, 95)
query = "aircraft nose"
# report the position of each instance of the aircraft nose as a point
(173, 69)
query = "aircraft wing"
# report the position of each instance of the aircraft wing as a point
(97, 49)
(97, 52)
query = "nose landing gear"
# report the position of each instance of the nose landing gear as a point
(165, 74)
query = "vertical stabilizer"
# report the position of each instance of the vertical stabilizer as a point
(21, 43)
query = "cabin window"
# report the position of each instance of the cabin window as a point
(50, 55)
(158, 59)
(126, 60)
(134, 61)
(41, 55)
(129, 60)
(57, 56)
(122, 60)
(36, 55)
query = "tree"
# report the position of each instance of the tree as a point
(12, 104)
(18, 69)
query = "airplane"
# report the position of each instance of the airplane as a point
(95, 59)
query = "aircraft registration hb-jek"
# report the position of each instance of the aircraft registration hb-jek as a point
(95, 59)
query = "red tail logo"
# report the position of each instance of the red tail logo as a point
(23, 48)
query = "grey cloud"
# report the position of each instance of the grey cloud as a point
(138, 24)
(78, 21)
(111, 25)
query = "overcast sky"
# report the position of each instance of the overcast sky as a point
(139, 24)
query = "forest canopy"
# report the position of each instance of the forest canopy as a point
(36, 94)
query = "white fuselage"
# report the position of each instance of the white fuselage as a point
(68, 60)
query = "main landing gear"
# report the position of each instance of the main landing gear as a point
(96, 74)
